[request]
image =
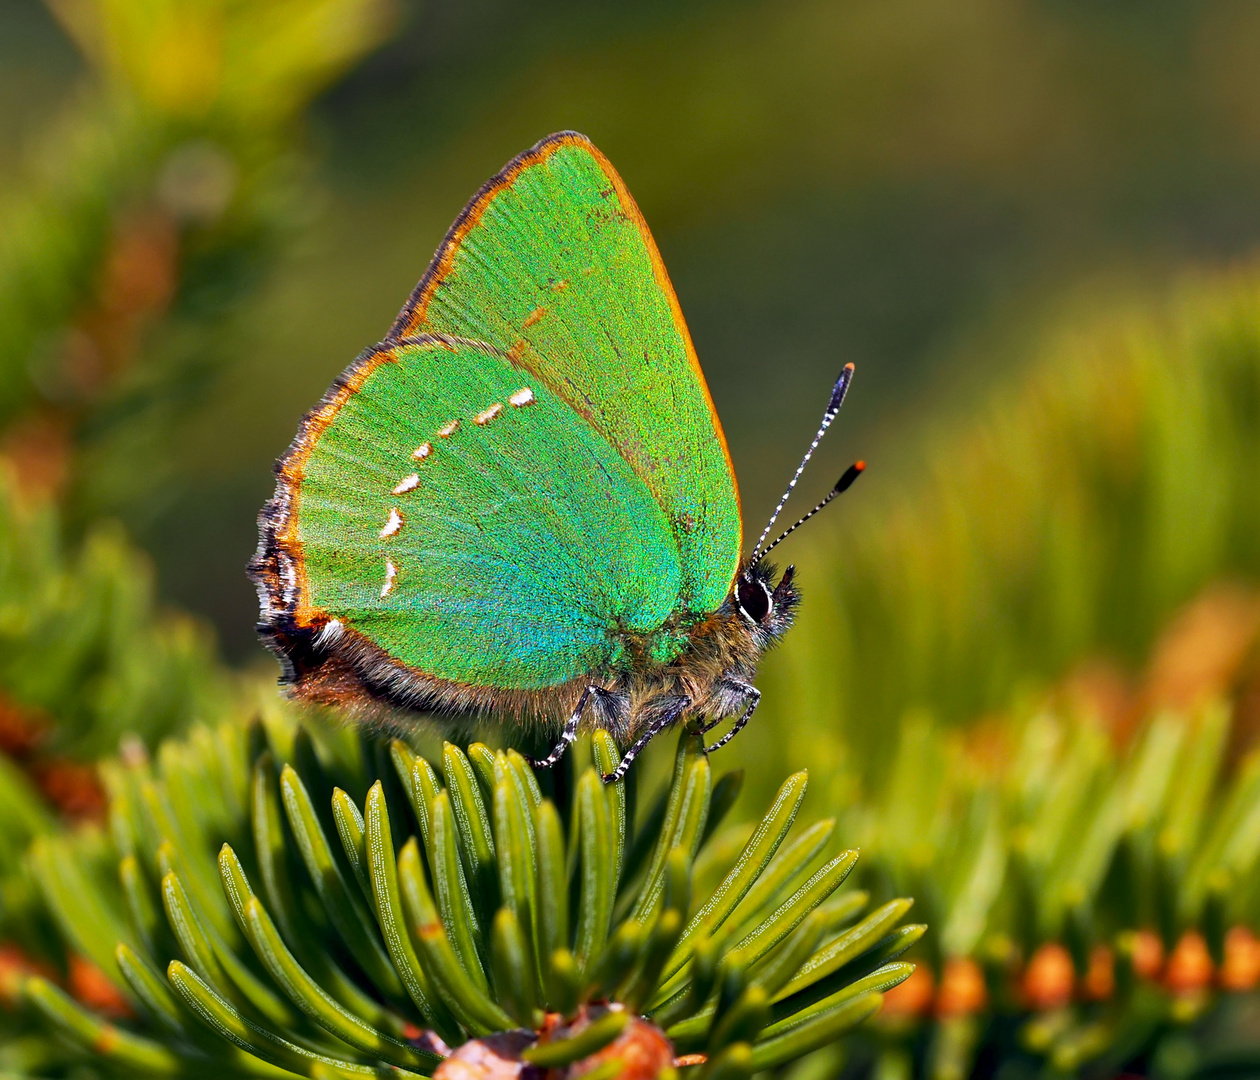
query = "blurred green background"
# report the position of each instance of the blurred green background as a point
(919, 188)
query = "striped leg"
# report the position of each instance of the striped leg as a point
(657, 726)
(570, 731)
(753, 696)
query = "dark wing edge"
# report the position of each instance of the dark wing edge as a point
(467, 220)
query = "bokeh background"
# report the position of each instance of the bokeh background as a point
(1034, 226)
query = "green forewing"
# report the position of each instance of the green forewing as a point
(552, 264)
(527, 546)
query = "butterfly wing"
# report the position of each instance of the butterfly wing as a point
(464, 519)
(553, 264)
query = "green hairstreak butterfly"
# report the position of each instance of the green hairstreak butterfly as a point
(521, 503)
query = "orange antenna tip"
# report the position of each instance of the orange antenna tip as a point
(842, 485)
(833, 406)
(850, 474)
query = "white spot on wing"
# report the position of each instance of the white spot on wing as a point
(425, 449)
(449, 430)
(329, 633)
(483, 418)
(524, 396)
(394, 523)
(407, 483)
(391, 572)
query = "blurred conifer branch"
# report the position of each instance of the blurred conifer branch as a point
(251, 67)
(85, 657)
(153, 211)
(1097, 891)
(1064, 522)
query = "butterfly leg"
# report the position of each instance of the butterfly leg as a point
(680, 706)
(570, 729)
(751, 695)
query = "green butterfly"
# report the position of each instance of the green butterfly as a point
(521, 502)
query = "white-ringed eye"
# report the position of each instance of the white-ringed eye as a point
(753, 599)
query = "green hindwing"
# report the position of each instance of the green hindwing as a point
(553, 264)
(459, 514)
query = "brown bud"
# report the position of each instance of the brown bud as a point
(1190, 966)
(912, 998)
(90, 985)
(1048, 978)
(1099, 983)
(1148, 954)
(963, 991)
(1241, 970)
(642, 1049)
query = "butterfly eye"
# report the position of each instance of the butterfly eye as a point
(753, 599)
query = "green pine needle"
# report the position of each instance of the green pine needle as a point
(325, 934)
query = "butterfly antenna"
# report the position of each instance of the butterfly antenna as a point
(833, 407)
(842, 485)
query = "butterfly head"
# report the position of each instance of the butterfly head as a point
(765, 607)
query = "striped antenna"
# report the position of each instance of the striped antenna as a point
(833, 407)
(842, 485)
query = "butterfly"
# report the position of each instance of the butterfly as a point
(521, 502)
